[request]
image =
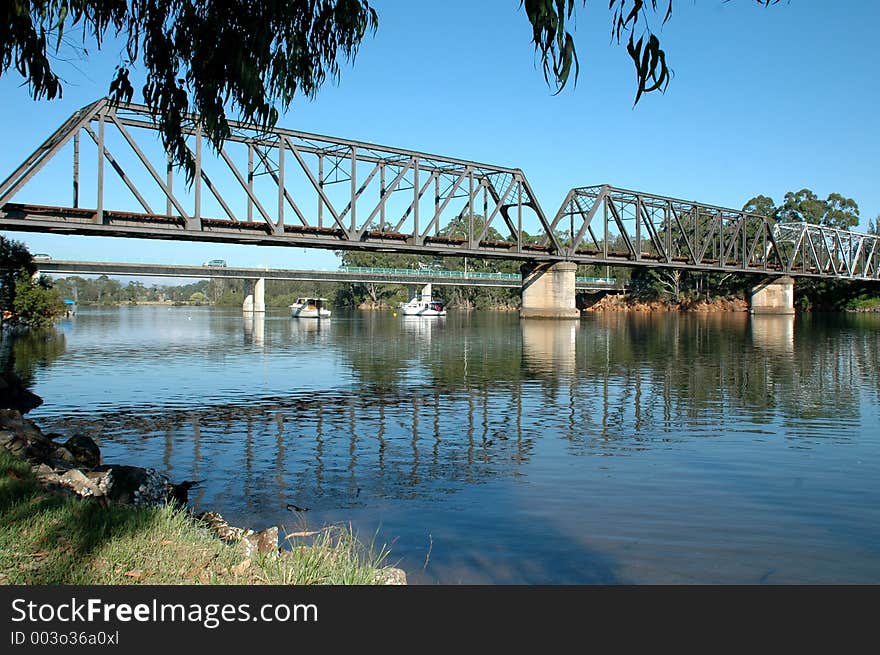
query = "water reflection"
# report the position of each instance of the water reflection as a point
(473, 425)
(23, 356)
(773, 332)
(254, 328)
(447, 405)
(422, 326)
(549, 347)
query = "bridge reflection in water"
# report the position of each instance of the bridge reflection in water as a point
(254, 325)
(439, 406)
(549, 347)
(773, 332)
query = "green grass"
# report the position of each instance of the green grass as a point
(50, 538)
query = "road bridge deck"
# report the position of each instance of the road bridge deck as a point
(347, 274)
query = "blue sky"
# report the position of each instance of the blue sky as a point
(764, 100)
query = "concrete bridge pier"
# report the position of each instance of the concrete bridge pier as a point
(773, 296)
(548, 290)
(254, 296)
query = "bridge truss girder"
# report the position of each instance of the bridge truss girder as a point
(308, 190)
(617, 227)
(391, 199)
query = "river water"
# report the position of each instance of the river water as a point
(633, 449)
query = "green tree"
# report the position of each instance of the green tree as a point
(135, 291)
(630, 19)
(28, 303)
(761, 206)
(281, 293)
(802, 206)
(203, 55)
(840, 212)
(647, 283)
(835, 211)
(15, 259)
(36, 304)
(356, 293)
(71, 287)
(109, 291)
(459, 227)
(254, 57)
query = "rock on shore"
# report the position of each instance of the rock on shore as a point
(75, 465)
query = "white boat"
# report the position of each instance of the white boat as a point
(423, 305)
(309, 308)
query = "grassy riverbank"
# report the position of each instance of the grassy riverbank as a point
(53, 538)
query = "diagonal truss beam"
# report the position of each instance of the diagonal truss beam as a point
(118, 169)
(264, 159)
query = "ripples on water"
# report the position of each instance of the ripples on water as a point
(617, 449)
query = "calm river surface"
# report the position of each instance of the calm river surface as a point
(482, 449)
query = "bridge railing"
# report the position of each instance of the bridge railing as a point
(460, 275)
(406, 272)
(597, 280)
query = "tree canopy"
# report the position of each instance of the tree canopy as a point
(15, 260)
(805, 206)
(761, 206)
(252, 58)
(27, 302)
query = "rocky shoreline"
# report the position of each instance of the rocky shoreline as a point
(621, 303)
(74, 467)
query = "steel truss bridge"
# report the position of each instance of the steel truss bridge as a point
(287, 188)
(348, 274)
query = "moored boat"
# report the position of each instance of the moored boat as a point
(309, 308)
(423, 305)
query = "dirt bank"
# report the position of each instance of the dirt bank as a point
(621, 303)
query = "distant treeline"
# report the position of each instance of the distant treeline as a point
(279, 293)
(644, 284)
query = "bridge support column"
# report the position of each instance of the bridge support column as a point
(254, 296)
(548, 290)
(773, 296)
